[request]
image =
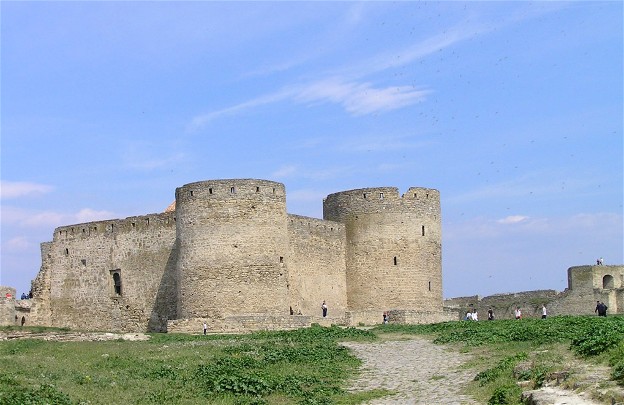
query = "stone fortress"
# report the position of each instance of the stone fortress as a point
(227, 253)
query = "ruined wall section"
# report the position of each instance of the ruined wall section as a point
(7, 306)
(588, 284)
(233, 244)
(317, 267)
(393, 248)
(77, 276)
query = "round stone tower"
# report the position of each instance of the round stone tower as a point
(394, 246)
(232, 240)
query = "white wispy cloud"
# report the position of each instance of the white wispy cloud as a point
(356, 98)
(18, 243)
(38, 219)
(512, 219)
(359, 98)
(524, 226)
(147, 156)
(11, 189)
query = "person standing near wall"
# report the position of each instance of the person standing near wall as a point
(205, 328)
(543, 311)
(518, 313)
(324, 308)
(490, 314)
(601, 308)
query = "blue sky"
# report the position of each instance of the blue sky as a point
(513, 110)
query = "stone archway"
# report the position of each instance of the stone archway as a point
(607, 282)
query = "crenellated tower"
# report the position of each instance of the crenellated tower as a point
(394, 246)
(232, 242)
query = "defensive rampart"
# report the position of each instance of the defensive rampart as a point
(228, 254)
(394, 248)
(317, 251)
(108, 275)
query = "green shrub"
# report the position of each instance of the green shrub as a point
(506, 394)
(595, 341)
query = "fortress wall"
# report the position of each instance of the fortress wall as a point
(503, 305)
(233, 244)
(7, 306)
(77, 275)
(238, 324)
(317, 267)
(393, 247)
(588, 284)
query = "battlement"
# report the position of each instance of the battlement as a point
(114, 226)
(315, 223)
(230, 189)
(422, 201)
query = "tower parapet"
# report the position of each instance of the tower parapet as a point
(394, 247)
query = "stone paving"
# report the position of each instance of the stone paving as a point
(419, 371)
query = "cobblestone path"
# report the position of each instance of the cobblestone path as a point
(419, 371)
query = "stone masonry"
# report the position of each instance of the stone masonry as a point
(586, 285)
(227, 253)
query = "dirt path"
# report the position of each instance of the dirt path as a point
(419, 371)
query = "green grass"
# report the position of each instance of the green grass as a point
(306, 366)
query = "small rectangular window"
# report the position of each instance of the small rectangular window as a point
(191, 193)
(257, 189)
(423, 230)
(364, 196)
(232, 190)
(395, 260)
(210, 191)
(281, 259)
(430, 286)
(381, 196)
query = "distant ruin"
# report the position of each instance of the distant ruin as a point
(586, 285)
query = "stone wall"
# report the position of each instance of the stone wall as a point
(227, 251)
(233, 244)
(586, 285)
(317, 264)
(393, 249)
(238, 324)
(7, 306)
(76, 288)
